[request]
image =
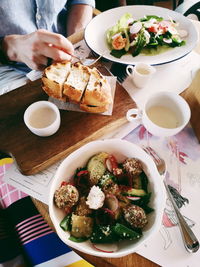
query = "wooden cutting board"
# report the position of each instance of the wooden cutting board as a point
(33, 153)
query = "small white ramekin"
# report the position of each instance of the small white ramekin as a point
(48, 130)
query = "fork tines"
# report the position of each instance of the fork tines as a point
(149, 150)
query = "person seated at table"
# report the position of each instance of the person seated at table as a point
(33, 32)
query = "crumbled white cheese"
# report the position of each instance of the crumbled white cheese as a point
(95, 198)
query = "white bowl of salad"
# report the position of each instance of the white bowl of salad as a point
(107, 198)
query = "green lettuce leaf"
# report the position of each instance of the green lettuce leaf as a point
(121, 26)
(148, 17)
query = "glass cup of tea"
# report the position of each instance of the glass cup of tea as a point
(140, 74)
(164, 114)
(42, 118)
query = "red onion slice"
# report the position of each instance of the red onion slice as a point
(133, 198)
(107, 248)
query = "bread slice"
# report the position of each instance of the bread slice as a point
(76, 82)
(79, 84)
(97, 96)
(54, 77)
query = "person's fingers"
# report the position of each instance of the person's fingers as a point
(59, 55)
(32, 65)
(38, 63)
(56, 40)
(37, 47)
(42, 60)
(53, 52)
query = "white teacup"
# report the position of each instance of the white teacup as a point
(141, 73)
(164, 114)
(42, 118)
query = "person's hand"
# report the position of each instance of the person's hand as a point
(35, 48)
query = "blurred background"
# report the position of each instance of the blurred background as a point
(103, 5)
(189, 8)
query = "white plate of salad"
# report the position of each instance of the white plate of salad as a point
(149, 34)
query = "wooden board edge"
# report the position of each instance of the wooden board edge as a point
(97, 135)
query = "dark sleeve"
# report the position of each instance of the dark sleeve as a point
(38, 241)
(3, 57)
(9, 242)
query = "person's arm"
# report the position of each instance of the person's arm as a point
(35, 48)
(78, 17)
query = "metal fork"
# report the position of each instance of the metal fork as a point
(160, 163)
(189, 239)
(88, 61)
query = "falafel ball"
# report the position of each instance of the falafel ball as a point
(132, 166)
(66, 196)
(135, 216)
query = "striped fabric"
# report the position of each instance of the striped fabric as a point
(25, 237)
(8, 193)
(32, 228)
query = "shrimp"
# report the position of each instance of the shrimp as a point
(119, 42)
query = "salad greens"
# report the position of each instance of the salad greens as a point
(150, 32)
(112, 200)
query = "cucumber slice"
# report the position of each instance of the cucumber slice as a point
(96, 167)
(103, 234)
(135, 192)
(126, 233)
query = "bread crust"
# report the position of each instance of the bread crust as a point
(98, 91)
(52, 88)
(53, 93)
(54, 77)
(94, 109)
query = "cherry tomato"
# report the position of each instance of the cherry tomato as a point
(152, 29)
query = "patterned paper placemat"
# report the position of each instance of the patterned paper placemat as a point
(182, 156)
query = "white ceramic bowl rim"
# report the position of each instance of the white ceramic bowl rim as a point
(119, 148)
(182, 106)
(101, 23)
